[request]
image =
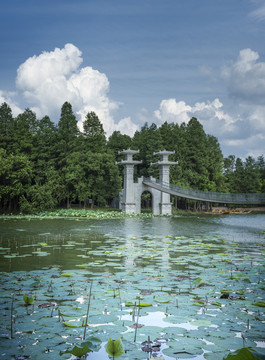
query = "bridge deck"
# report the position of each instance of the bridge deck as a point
(214, 197)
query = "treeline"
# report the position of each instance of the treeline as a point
(44, 166)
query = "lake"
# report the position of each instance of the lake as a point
(193, 286)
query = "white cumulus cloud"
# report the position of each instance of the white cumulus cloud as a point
(171, 110)
(245, 78)
(51, 78)
(208, 113)
(241, 127)
(8, 97)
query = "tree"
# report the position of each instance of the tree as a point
(238, 183)
(45, 153)
(195, 160)
(261, 168)
(93, 132)
(24, 132)
(6, 127)
(67, 144)
(103, 178)
(15, 178)
(43, 196)
(67, 133)
(251, 180)
(118, 142)
(229, 168)
(174, 139)
(148, 141)
(215, 165)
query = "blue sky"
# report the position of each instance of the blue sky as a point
(133, 61)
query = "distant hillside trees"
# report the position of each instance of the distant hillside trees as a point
(44, 166)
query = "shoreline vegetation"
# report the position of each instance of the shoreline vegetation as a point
(112, 213)
(45, 166)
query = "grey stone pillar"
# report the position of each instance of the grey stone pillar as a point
(128, 203)
(164, 165)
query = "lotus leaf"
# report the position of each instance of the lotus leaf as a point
(198, 282)
(259, 303)
(241, 354)
(28, 299)
(77, 351)
(66, 274)
(115, 348)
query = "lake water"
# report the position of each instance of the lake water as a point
(166, 263)
(25, 236)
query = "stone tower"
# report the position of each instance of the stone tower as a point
(128, 199)
(164, 165)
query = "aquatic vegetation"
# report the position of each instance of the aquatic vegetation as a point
(91, 214)
(115, 347)
(241, 354)
(138, 289)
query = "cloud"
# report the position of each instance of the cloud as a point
(8, 97)
(245, 78)
(208, 113)
(126, 126)
(51, 78)
(234, 132)
(171, 110)
(239, 128)
(259, 13)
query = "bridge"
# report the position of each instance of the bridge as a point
(213, 197)
(161, 189)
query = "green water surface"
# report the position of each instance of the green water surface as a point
(175, 269)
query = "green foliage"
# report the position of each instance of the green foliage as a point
(115, 348)
(148, 141)
(77, 351)
(93, 132)
(259, 303)
(142, 304)
(198, 282)
(28, 300)
(44, 166)
(241, 354)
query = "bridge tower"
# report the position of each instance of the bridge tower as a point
(164, 165)
(128, 199)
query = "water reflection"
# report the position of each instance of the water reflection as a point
(34, 244)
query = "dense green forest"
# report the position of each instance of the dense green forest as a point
(45, 166)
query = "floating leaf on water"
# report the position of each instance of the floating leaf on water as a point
(240, 292)
(161, 300)
(130, 304)
(259, 303)
(201, 323)
(216, 303)
(115, 348)
(66, 274)
(40, 253)
(198, 282)
(82, 266)
(77, 351)
(73, 325)
(28, 299)
(241, 354)
(199, 303)
(45, 305)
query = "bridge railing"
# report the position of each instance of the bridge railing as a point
(230, 198)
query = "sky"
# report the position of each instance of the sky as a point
(137, 61)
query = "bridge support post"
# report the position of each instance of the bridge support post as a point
(164, 165)
(128, 199)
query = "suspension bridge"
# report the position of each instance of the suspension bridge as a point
(161, 189)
